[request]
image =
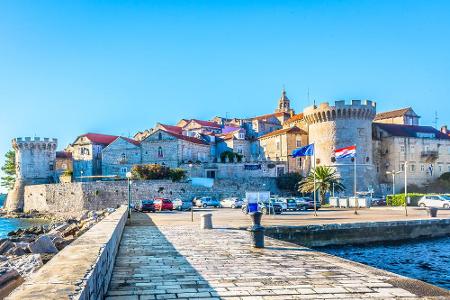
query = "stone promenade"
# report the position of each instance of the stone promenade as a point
(183, 262)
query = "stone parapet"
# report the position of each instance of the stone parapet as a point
(83, 269)
(360, 233)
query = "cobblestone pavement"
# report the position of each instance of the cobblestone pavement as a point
(184, 262)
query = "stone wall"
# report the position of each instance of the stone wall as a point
(75, 197)
(360, 233)
(119, 157)
(83, 269)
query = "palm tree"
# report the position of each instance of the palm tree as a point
(326, 177)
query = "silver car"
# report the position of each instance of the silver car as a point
(435, 201)
(232, 202)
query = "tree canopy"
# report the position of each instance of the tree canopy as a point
(326, 177)
(9, 168)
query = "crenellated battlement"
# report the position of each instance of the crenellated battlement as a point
(34, 143)
(356, 109)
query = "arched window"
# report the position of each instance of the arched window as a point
(124, 156)
(160, 152)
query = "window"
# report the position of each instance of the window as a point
(123, 170)
(402, 148)
(298, 143)
(412, 168)
(51, 167)
(361, 132)
(239, 150)
(402, 167)
(160, 152)
(299, 162)
(159, 136)
(278, 145)
(241, 135)
(422, 168)
(124, 156)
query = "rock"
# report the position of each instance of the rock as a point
(16, 251)
(61, 228)
(70, 231)
(5, 246)
(45, 257)
(110, 210)
(26, 264)
(3, 258)
(83, 216)
(9, 280)
(93, 215)
(43, 244)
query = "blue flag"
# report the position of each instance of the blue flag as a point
(304, 151)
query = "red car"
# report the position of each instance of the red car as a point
(163, 204)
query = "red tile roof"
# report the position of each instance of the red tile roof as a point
(294, 129)
(105, 139)
(277, 114)
(171, 128)
(392, 114)
(294, 118)
(206, 123)
(187, 138)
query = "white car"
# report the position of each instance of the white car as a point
(281, 201)
(232, 202)
(435, 201)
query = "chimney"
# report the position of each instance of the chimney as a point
(444, 129)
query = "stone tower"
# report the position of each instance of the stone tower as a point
(284, 104)
(342, 125)
(35, 164)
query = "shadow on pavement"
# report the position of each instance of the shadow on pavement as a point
(148, 264)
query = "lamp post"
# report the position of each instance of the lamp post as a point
(81, 177)
(406, 187)
(128, 175)
(393, 173)
(192, 203)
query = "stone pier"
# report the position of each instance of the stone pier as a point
(157, 260)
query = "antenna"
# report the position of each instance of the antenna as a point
(436, 118)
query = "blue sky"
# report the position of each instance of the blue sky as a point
(117, 67)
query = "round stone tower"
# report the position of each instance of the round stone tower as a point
(339, 126)
(35, 164)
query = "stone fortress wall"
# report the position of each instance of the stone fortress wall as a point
(343, 125)
(76, 197)
(35, 164)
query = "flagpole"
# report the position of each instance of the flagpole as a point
(354, 183)
(314, 174)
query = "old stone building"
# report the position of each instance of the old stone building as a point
(120, 156)
(234, 139)
(405, 116)
(278, 146)
(63, 162)
(425, 150)
(172, 149)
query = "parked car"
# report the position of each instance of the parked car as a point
(291, 204)
(302, 203)
(309, 202)
(435, 201)
(266, 207)
(280, 201)
(163, 204)
(378, 201)
(232, 202)
(145, 205)
(206, 201)
(181, 205)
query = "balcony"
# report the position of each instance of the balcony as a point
(429, 155)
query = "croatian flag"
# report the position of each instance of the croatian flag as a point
(345, 152)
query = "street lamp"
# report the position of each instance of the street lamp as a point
(406, 187)
(129, 175)
(81, 177)
(393, 173)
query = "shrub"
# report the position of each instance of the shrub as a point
(149, 172)
(67, 173)
(399, 199)
(445, 176)
(231, 155)
(177, 174)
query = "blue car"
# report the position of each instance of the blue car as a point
(206, 201)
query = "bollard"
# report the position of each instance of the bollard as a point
(432, 212)
(256, 230)
(206, 221)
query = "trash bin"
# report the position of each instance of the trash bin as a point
(256, 230)
(432, 212)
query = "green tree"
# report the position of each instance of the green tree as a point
(177, 174)
(9, 168)
(325, 179)
(289, 182)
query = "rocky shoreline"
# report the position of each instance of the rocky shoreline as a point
(24, 251)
